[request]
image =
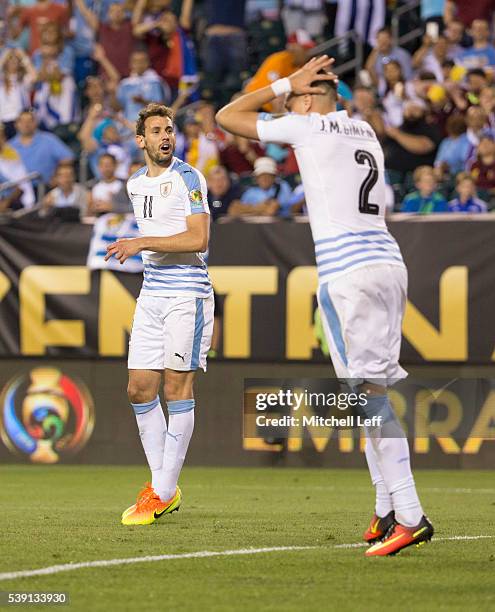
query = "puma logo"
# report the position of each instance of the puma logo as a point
(174, 436)
(177, 355)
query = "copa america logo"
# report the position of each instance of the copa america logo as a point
(45, 414)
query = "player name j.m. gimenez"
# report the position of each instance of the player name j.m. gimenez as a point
(263, 420)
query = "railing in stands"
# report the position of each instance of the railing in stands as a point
(342, 43)
(397, 16)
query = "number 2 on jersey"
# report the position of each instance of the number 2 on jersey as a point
(148, 203)
(363, 158)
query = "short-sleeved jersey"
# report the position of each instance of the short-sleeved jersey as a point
(161, 205)
(342, 170)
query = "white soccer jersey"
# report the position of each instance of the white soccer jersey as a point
(342, 169)
(161, 205)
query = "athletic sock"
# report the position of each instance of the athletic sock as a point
(180, 428)
(383, 502)
(392, 454)
(152, 431)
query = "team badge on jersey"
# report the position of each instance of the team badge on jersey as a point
(165, 189)
(196, 198)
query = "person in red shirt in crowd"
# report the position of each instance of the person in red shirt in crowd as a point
(35, 17)
(467, 10)
(482, 169)
(115, 36)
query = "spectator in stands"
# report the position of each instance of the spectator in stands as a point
(455, 34)
(83, 37)
(222, 192)
(141, 87)
(40, 151)
(365, 108)
(487, 103)
(282, 63)
(366, 17)
(52, 36)
(115, 35)
(271, 196)
(35, 17)
(454, 150)
(482, 168)
(476, 121)
(468, 10)
(55, 100)
(239, 154)
(171, 52)
(201, 151)
(17, 76)
(11, 170)
(482, 53)
(432, 11)
(99, 135)
(108, 194)
(383, 53)
(66, 194)
(411, 145)
(467, 200)
(393, 92)
(307, 15)
(477, 80)
(431, 56)
(425, 199)
(224, 51)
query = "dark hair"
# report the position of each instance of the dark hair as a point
(476, 72)
(456, 125)
(384, 30)
(329, 86)
(110, 156)
(152, 110)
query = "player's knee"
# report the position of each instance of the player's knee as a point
(139, 394)
(177, 389)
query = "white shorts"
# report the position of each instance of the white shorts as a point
(171, 332)
(362, 314)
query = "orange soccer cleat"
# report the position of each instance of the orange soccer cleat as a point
(144, 491)
(400, 536)
(150, 507)
(378, 527)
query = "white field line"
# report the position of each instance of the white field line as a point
(67, 567)
(302, 486)
(449, 539)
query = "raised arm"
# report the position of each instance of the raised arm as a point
(85, 135)
(193, 240)
(185, 18)
(89, 17)
(240, 116)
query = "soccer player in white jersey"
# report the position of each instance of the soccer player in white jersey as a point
(173, 322)
(362, 277)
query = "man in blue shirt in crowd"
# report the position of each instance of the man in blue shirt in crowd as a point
(269, 197)
(40, 151)
(141, 87)
(481, 54)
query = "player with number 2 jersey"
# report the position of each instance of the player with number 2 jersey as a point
(362, 277)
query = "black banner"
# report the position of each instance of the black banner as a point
(52, 305)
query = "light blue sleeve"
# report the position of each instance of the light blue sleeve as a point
(157, 93)
(285, 194)
(249, 196)
(441, 153)
(59, 150)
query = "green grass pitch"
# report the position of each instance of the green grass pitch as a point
(63, 514)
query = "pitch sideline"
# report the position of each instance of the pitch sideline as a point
(67, 567)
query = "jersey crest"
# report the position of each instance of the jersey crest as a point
(165, 189)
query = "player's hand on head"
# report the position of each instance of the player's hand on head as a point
(301, 79)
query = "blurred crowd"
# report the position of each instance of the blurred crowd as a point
(74, 74)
